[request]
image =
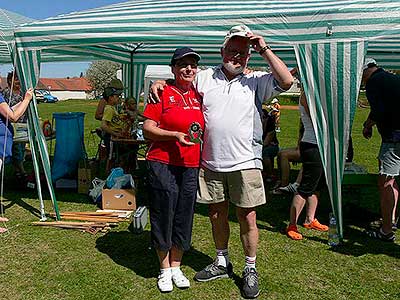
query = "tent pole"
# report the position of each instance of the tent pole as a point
(36, 168)
(131, 76)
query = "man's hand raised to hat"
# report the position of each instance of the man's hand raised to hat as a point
(256, 41)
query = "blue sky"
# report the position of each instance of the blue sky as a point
(41, 9)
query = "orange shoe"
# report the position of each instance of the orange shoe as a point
(316, 226)
(293, 233)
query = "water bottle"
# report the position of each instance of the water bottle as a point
(333, 237)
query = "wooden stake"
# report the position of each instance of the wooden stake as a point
(94, 219)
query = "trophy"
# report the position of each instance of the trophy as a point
(195, 133)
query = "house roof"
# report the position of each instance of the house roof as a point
(58, 84)
(65, 84)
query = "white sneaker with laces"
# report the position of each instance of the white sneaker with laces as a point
(164, 282)
(180, 279)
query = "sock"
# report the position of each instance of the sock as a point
(222, 257)
(175, 269)
(166, 271)
(250, 262)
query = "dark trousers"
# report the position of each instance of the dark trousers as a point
(313, 173)
(173, 193)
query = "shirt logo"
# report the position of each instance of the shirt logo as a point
(171, 99)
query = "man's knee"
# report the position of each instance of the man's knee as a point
(246, 216)
(218, 211)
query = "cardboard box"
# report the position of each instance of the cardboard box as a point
(118, 199)
(85, 176)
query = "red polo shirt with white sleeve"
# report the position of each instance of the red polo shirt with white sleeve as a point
(176, 111)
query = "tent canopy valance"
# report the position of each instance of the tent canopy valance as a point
(284, 21)
(155, 27)
(327, 40)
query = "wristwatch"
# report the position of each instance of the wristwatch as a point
(263, 49)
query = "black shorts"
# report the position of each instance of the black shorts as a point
(313, 171)
(173, 192)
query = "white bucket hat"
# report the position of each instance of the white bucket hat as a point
(238, 30)
(369, 62)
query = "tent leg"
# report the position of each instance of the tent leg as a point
(37, 174)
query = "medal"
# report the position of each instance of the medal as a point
(195, 133)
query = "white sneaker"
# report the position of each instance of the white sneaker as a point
(290, 188)
(164, 282)
(180, 279)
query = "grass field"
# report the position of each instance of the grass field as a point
(42, 263)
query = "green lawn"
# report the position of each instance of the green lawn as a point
(44, 263)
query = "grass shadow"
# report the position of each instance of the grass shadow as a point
(275, 212)
(62, 195)
(12, 199)
(134, 251)
(357, 243)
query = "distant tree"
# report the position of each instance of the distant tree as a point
(100, 73)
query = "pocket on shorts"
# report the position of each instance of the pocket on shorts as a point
(211, 188)
(249, 189)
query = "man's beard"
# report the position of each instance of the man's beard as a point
(232, 69)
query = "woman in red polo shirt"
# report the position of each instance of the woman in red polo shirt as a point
(174, 125)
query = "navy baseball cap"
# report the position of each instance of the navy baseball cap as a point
(182, 52)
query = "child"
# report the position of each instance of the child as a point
(113, 123)
(275, 110)
(118, 125)
(131, 109)
(270, 144)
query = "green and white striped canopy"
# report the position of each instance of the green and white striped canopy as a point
(326, 39)
(146, 32)
(8, 22)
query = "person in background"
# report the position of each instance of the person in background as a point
(130, 108)
(276, 111)
(117, 85)
(117, 124)
(173, 161)
(132, 120)
(285, 157)
(8, 115)
(113, 123)
(383, 93)
(12, 94)
(270, 144)
(312, 178)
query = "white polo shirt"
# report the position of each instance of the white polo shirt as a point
(232, 115)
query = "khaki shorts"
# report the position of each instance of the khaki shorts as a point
(244, 188)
